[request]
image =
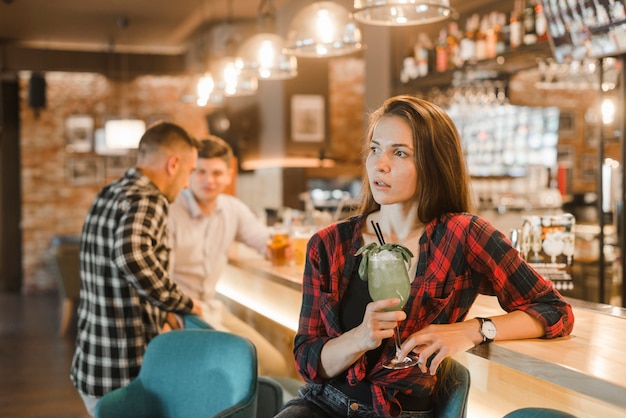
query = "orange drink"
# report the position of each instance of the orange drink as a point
(300, 236)
(278, 243)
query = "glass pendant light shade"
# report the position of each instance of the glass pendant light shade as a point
(323, 29)
(205, 91)
(401, 12)
(265, 56)
(230, 80)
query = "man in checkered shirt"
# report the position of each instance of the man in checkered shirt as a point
(126, 291)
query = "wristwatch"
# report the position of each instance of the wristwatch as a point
(487, 329)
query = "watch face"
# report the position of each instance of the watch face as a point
(489, 330)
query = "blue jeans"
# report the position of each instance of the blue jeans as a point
(90, 403)
(325, 401)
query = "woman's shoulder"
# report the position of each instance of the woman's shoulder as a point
(464, 221)
(341, 230)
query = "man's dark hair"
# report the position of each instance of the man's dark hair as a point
(215, 147)
(165, 135)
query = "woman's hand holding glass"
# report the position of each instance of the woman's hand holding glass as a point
(385, 269)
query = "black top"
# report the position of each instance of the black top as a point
(352, 308)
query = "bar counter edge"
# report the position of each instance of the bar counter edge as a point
(575, 363)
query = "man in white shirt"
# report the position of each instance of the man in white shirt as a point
(204, 222)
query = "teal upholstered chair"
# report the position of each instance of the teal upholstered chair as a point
(189, 373)
(272, 393)
(538, 413)
(192, 321)
(452, 391)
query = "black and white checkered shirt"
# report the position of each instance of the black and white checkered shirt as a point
(125, 286)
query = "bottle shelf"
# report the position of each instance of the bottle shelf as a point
(503, 66)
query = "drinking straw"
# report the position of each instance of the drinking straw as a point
(379, 233)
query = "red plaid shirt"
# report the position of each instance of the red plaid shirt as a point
(460, 256)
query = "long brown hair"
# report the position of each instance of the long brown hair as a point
(442, 178)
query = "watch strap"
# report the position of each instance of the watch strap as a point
(480, 329)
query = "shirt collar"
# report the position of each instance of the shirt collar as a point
(141, 179)
(192, 204)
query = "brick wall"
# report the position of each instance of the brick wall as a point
(52, 204)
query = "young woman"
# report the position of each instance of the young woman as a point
(416, 188)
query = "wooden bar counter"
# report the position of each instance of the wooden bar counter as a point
(583, 374)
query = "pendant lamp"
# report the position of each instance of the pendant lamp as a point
(401, 12)
(264, 54)
(230, 80)
(323, 29)
(205, 92)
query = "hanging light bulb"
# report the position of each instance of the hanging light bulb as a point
(323, 29)
(265, 55)
(607, 110)
(401, 12)
(205, 91)
(230, 80)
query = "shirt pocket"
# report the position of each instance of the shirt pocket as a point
(329, 305)
(440, 297)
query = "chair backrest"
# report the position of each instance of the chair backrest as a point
(66, 250)
(452, 390)
(274, 392)
(192, 321)
(536, 412)
(201, 373)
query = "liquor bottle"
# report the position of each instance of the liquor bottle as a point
(441, 52)
(422, 52)
(530, 32)
(468, 43)
(491, 36)
(516, 30)
(454, 50)
(481, 39)
(541, 24)
(501, 30)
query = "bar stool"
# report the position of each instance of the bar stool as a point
(538, 413)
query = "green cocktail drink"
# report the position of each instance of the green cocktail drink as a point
(385, 269)
(387, 278)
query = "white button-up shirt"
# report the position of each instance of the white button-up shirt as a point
(200, 242)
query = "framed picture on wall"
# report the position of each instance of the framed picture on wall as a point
(79, 133)
(307, 118)
(588, 167)
(84, 171)
(116, 165)
(567, 124)
(592, 135)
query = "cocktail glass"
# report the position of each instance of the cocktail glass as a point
(387, 277)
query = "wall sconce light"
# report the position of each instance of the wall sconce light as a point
(123, 133)
(323, 29)
(37, 92)
(401, 12)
